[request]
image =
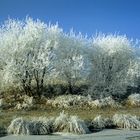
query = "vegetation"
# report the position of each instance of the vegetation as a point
(43, 69)
(126, 121)
(37, 59)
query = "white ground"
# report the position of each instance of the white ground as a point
(102, 135)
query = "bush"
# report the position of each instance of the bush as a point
(126, 121)
(66, 101)
(27, 103)
(72, 124)
(19, 127)
(100, 122)
(104, 102)
(134, 100)
(38, 126)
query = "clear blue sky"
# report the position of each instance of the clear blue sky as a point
(87, 16)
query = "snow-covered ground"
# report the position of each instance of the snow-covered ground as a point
(107, 134)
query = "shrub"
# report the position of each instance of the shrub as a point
(40, 126)
(104, 102)
(98, 122)
(19, 127)
(72, 124)
(126, 121)
(67, 101)
(27, 103)
(134, 100)
(37, 126)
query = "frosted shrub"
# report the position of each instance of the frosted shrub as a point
(98, 122)
(72, 124)
(109, 123)
(28, 100)
(36, 126)
(126, 121)
(27, 103)
(104, 102)
(40, 126)
(78, 126)
(67, 101)
(134, 99)
(19, 127)
(61, 122)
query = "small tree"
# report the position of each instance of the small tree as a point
(110, 59)
(69, 62)
(31, 54)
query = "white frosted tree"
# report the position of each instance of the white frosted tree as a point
(110, 58)
(31, 53)
(70, 59)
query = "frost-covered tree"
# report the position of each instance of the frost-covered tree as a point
(110, 58)
(70, 59)
(29, 46)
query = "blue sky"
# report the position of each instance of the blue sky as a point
(86, 16)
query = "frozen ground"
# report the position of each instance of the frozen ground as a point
(102, 135)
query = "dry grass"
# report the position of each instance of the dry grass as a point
(126, 121)
(133, 100)
(19, 126)
(71, 124)
(36, 126)
(67, 101)
(70, 101)
(27, 103)
(98, 122)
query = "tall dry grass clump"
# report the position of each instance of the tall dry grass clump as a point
(100, 122)
(67, 101)
(36, 126)
(40, 126)
(71, 124)
(134, 100)
(27, 103)
(19, 126)
(126, 121)
(104, 102)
